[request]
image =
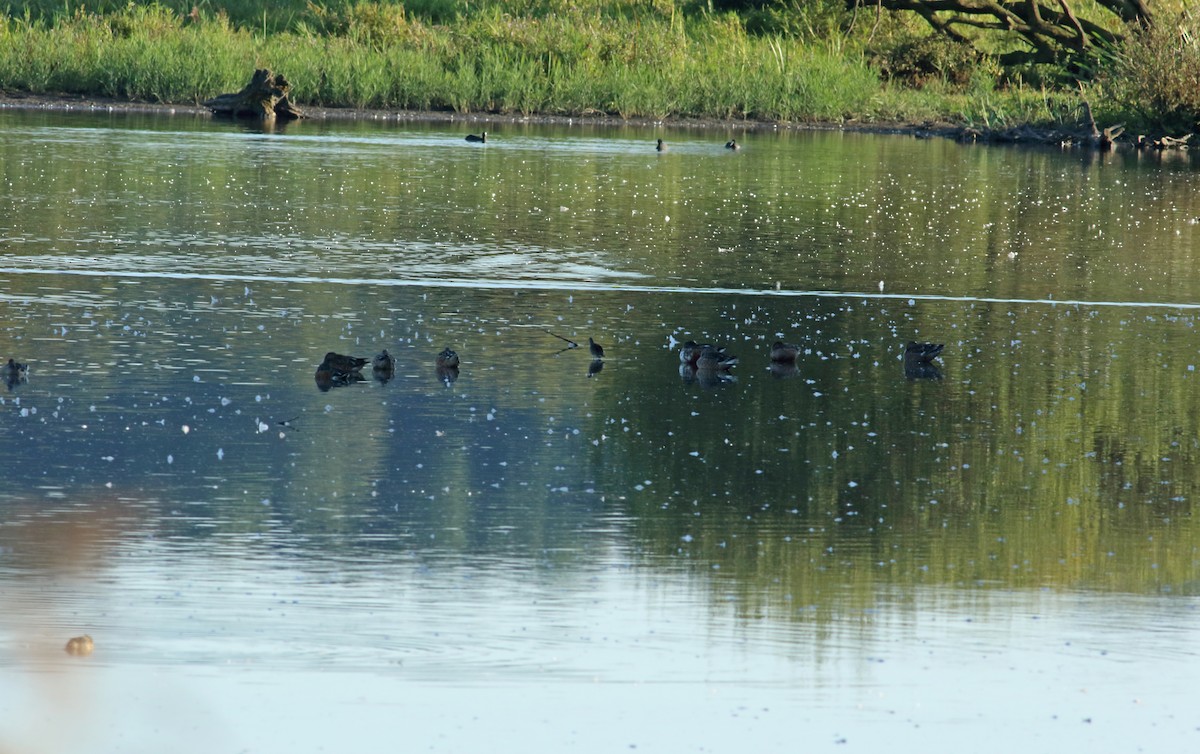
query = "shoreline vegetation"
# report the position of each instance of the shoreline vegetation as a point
(807, 65)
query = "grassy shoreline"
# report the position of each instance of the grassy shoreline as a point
(651, 67)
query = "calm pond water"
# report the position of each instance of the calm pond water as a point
(538, 552)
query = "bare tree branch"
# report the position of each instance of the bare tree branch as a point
(1055, 33)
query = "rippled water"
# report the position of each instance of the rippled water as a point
(540, 552)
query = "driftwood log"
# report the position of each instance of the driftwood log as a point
(265, 98)
(1163, 142)
(1102, 140)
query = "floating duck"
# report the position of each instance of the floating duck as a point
(732, 144)
(384, 362)
(447, 375)
(447, 359)
(337, 363)
(337, 370)
(79, 646)
(596, 349)
(712, 358)
(784, 352)
(480, 139)
(661, 146)
(690, 352)
(15, 371)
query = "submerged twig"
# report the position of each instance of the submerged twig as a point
(573, 344)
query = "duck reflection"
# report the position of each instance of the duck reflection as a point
(595, 367)
(918, 361)
(705, 377)
(783, 370)
(447, 375)
(327, 380)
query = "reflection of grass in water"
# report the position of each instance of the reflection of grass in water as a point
(1006, 475)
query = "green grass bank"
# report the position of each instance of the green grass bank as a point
(654, 59)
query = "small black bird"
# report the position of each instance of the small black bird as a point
(732, 144)
(481, 139)
(448, 359)
(662, 147)
(596, 349)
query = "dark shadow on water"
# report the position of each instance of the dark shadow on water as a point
(327, 381)
(784, 371)
(921, 370)
(705, 377)
(383, 376)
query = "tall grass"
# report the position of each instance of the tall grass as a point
(629, 58)
(1155, 79)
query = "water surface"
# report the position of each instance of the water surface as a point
(542, 553)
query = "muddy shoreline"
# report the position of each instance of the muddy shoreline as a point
(84, 104)
(1022, 135)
